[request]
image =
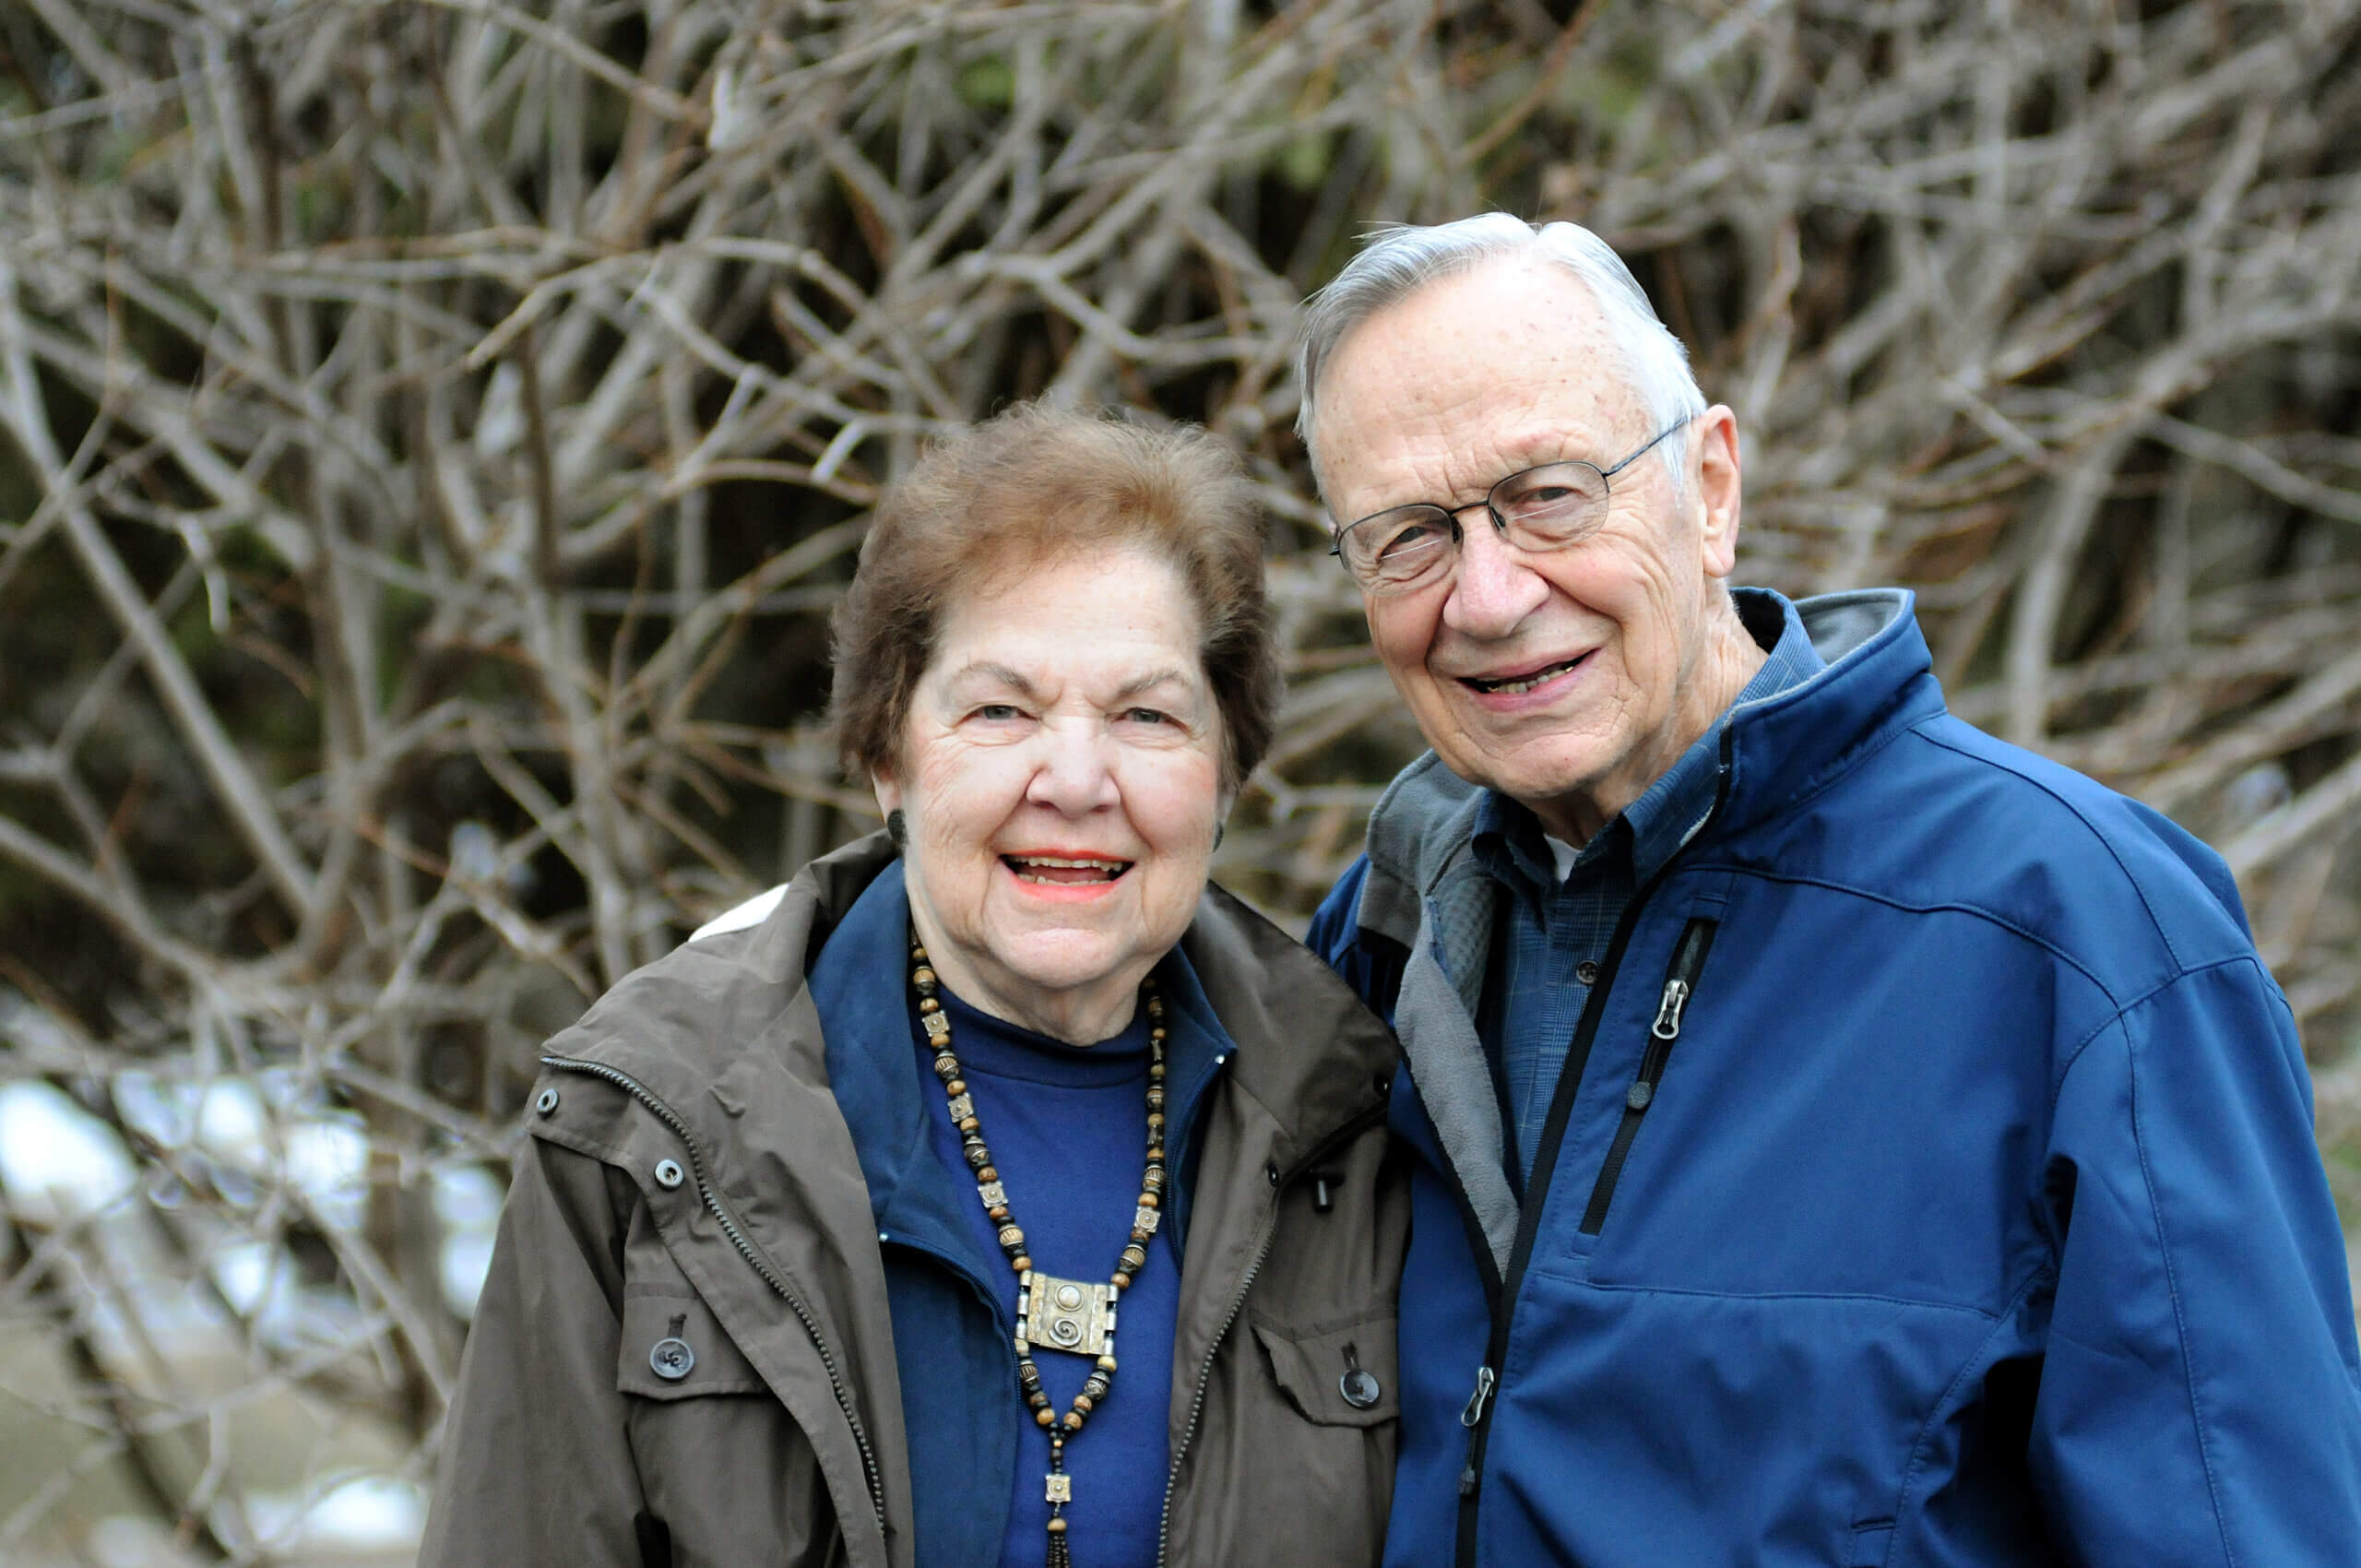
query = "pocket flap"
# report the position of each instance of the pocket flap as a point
(1337, 1374)
(673, 1348)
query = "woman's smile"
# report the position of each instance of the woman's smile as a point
(1067, 875)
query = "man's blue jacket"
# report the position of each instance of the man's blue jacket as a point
(1931, 1179)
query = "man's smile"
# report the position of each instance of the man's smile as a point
(1517, 682)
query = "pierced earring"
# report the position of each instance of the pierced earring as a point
(897, 829)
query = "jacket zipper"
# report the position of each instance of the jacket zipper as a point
(1267, 1227)
(746, 1250)
(1477, 1414)
(1680, 987)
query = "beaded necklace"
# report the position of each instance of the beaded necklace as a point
(1060, 1314)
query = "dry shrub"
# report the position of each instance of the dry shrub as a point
(436, 431)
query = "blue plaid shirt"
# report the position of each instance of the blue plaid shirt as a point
(1550, 929)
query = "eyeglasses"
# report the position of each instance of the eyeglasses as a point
(1538, 510)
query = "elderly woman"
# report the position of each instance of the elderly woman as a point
(998, 1192)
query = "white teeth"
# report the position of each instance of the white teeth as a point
(1068, 865)
(1527, 683)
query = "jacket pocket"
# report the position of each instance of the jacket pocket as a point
(1871, 1538)
(673, 1348)
(1339, 1374)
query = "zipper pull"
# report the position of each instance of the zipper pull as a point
(1676, 997)
(1485, 1382)
(1472, 1417)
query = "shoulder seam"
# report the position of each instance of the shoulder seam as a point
(2155, 922)
(1978, 911)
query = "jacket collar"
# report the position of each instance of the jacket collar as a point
(1879, 680)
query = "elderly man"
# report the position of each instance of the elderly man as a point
(1839, 1137)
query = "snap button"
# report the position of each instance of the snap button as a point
(671, 1360)
(1587, 972)
(545, 1101)
(1639, 1094)
(667, 1176)
(1358, 1386)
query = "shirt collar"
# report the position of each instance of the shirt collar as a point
(1509, 840)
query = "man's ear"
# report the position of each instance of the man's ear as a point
(1714, 443)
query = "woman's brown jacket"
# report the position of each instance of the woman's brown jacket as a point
(689, 1178)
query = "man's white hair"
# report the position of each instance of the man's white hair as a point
(1401, 259)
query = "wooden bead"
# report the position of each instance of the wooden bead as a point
(1057, 1527)
(1074, 1421)
(1045, 1417)
(1020, 1263)
(1082, 1403)
(1122, 1280)
(1106, 1363)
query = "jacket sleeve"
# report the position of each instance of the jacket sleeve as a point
(535, 1464)
(2199, 1400)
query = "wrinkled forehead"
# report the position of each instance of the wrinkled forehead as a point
(1493, 364)
(1468, 378)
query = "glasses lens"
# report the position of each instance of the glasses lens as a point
(1551, 505)
(1398, 548)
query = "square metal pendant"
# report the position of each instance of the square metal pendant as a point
(1066, 1314)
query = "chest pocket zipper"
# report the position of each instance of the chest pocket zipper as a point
(1680, 987)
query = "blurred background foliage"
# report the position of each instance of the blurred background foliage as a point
(432, 432)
